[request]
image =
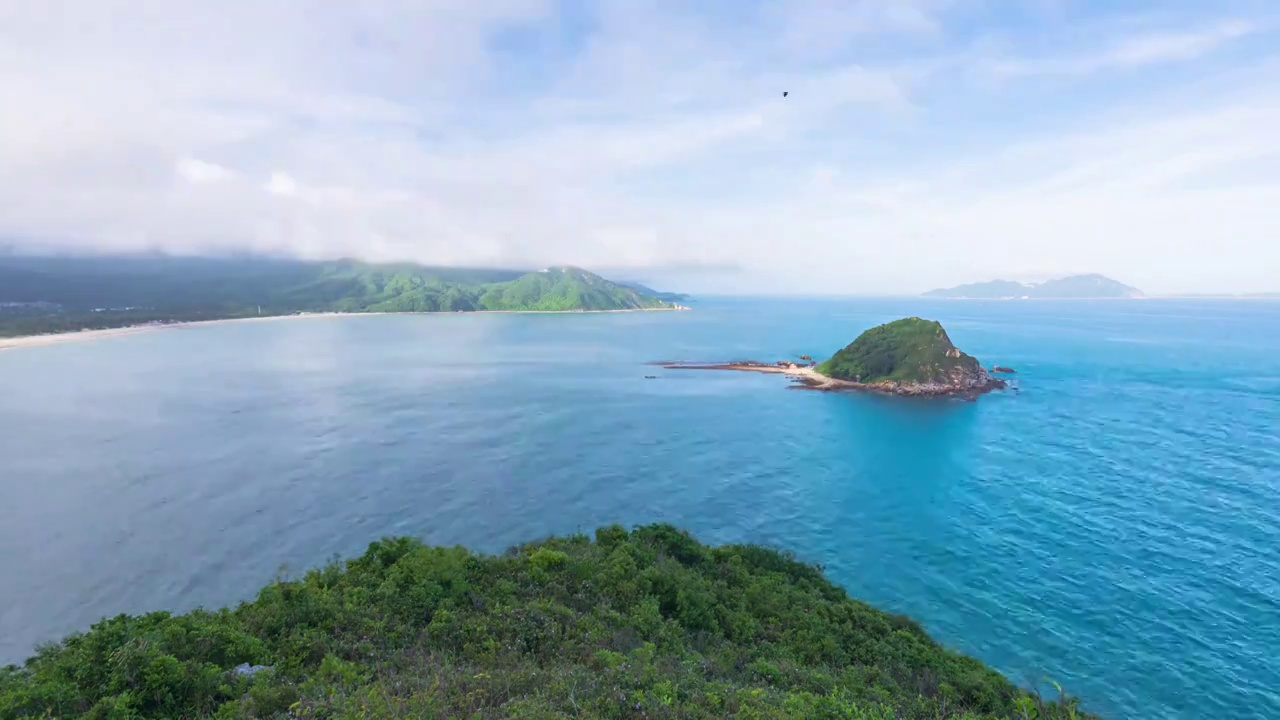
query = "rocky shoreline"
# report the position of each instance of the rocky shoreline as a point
(806, 377)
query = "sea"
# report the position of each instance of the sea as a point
(1111, 522)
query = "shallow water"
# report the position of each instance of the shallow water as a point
(1113, 525)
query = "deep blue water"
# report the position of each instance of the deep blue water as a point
(1114, 525)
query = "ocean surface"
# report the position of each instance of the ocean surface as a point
(1113, 524)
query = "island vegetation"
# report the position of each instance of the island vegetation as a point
(647, 623)
(907, 353)
(45, 295)
(911, 356)
(1074, 287)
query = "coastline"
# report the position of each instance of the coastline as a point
(21, 341)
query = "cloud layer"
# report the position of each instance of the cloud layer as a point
(923, 142)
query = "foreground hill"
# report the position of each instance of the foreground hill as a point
(57, 294)
(909, 356)
(642, 624)
(1075, 287)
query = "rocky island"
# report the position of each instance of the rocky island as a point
(911, 356)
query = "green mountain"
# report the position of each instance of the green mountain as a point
(60, 294)
(647, 623)
(1075, 287)
(565, 288)
(907, 352)
(671, 297)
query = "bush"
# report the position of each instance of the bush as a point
(648, 623)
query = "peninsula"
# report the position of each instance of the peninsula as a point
(43, 295)
(911, 356)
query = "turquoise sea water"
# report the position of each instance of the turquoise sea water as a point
(1113, 525)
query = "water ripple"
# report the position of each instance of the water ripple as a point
(1113, 526)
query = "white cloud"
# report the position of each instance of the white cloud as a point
(822, 27)
(493, 133)
(281, 184)
(1136, 51)
(196, 171)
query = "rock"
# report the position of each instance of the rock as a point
(1003, 370)
(247, 670)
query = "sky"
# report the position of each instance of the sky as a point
(922, 143)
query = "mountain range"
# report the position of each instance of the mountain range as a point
(55, 294)
(1074, 287)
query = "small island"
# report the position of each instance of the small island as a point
(911, 356)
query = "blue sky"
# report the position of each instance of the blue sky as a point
(923, 143)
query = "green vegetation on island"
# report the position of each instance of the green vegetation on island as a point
(910, 356)
(906, 352)
(42, 295)
(642, 624)
(1075, 287)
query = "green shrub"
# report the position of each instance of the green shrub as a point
(647, 623)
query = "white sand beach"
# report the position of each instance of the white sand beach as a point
(10, 343)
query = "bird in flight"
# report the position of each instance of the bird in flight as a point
(784, 93)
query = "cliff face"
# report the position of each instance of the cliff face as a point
(911, 356)
(958, 381)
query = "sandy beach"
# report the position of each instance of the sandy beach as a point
(10, 343)
(7, 343)
(805, 374)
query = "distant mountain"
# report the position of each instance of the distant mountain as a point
(1086, 286)
(992, 289)
(55, 294)
(645, 290)
(1075, 287)
(565, 288)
